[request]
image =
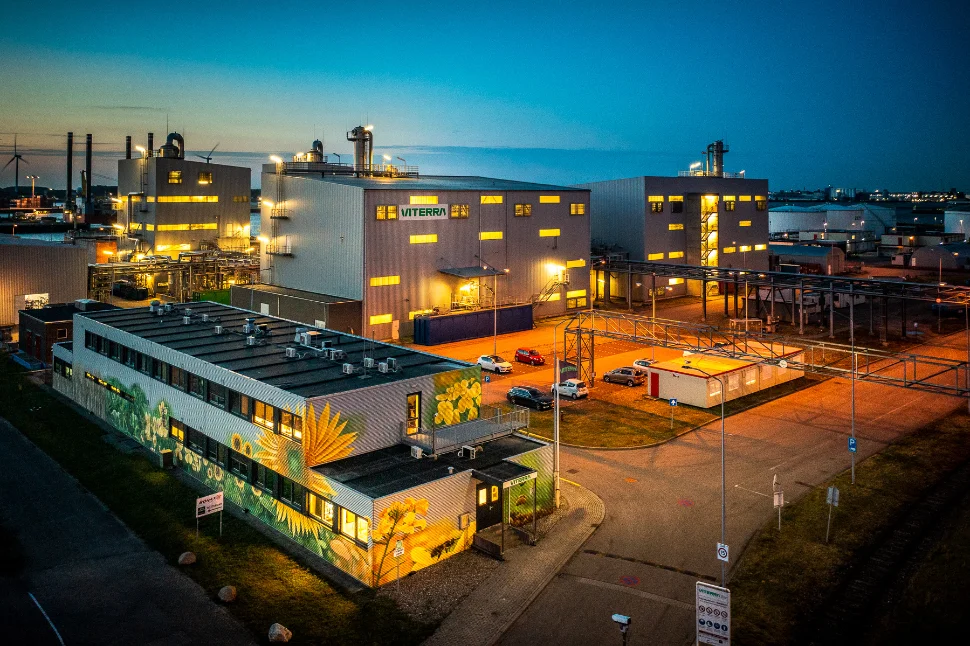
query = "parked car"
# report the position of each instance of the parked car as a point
(531, 357)
(494, 363)
(529, 396)
(642, 364)
(572, 388)
(626, 375)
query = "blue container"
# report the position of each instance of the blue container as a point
(434, 330)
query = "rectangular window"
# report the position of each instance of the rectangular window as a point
(576, 293)
(414, 413)
(205, 178)
(577, 208)
(264, 478)
(386, 212)
(217, 394)
(144, 363)
(427, 238)
(675, 281)
(745, 247)
(385, 281)
(523, 210)
(570, 264)
(264, 415)
(196, 440)
(380, 319)
(548, 199)
(656, 207)
(353, 526)
(320, 508)
(103, 345)
(676, 207)
(414, 313)
(292, 494)
(729, 205)
(61, 333)
(750, 377)
(675, 198)
(90, 341)
(760, 247)
(713, 388)
(744, 223)
(761, 205)
(291, 426)
(423, 199)
(744, 198)
(490, 235)
(655, 256)
(176, 430)
(196, 385)
(181, 199)
(729, 250)
(675, 227)
(549, 233)
(114, 350)
(460, 210)
(160, 370)
(675, 254)
(177, 378)
(174, 177)
(491, 199)
(482, 496)
(239, 404)
(239, 465)
(734, 381)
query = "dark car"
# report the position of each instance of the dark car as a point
(529, 396)
(627, 375)
(531, 357)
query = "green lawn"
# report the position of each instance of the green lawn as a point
(272, 585)
(784, 577)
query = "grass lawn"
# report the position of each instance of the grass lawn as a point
(784, 577)
(272, 585)
(624, 417)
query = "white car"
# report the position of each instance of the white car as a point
(494, 363)
(642, 364)
(572, 388)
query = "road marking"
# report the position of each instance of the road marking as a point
(49, 622)
(575, 484)
(669, 568)
(627, 590)
(752, 491)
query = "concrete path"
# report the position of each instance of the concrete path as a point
(95, 580)
(498, 601)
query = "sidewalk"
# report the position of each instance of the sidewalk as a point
(498, 601)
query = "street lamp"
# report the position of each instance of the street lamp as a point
(720, 382)
(337, 156)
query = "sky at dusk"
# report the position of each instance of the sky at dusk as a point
(807, 94)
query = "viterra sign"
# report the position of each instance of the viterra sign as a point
(430, 212)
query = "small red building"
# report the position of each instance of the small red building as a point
(41, 328)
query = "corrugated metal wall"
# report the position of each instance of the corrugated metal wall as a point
(617, 213)
(59, 270)
(342, 317)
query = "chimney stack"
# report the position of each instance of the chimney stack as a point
(88, 152)
(128, 147)
(69, 193)
(151, 144)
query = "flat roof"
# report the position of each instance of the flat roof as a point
(438, 183)
(64, 311)
(296, 293)
(7, 239)
(389, 470)
(308, 375)
(714, 364)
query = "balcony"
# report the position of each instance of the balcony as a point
(279, 250)
(495, 421)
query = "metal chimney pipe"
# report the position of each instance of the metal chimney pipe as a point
(151, 144)
(69, 193)
(88, 153)
(128, 147)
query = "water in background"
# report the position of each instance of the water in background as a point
(254, 224)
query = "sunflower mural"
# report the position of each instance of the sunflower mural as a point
(458, 397)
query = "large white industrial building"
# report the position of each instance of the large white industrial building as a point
(790, 219)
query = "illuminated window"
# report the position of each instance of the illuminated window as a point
(745, 247)
(675, 254)
(729, 205)
(523, 210)
(414, 313)
(760, 247)
(577, 208)
(174, 177)
(675, 281)
(656, 205)
(655, 256)
(379, 319)
(491, 199)
(760, 198)
(263, 415)
(548, 199)
(482, 497)
(240, 198)
(135, 226)
(575, 263)
(576, 293)
(490, 235)
(676, 203)
(384, 281)
(291, 426)
(321, 509)
(386, 212)
(729, 250)
(197, 226)
(413, 413)
(675, 198)
(744, 223)
(424, 199)
(548, 233)
(176, 430)
(460, 210)
(205, 178)
(675, 227)
(354, 526)
(750, 377)
(553, 297)
(744, 198)
(180, 199)
(426, 238)
(761, 205)
(730, 198)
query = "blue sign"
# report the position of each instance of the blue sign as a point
(673, 402)
(851, 445)
(488, 379)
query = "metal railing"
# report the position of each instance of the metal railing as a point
(279, 249)
(708, 173)
(494, 421)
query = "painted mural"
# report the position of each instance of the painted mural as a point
(458, 398)
(520, 496)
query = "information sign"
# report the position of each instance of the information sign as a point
(722, 552)
(399, 549)
(673, 402)
(852, 445)
(779, 499)
(713, 614)
(208, 505)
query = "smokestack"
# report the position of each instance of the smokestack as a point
(151, 144)
(128, 147)
(69, 193)
(88, 152)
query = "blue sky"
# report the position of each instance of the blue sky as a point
(864, 94)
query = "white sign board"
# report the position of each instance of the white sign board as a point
(399, 549)
(833, 497)
(713, 614)
(208, 505)
(779, 499)
(508, 484)
(722, 552)
(416, 212)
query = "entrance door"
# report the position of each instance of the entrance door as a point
(655, 384)
(488, 508)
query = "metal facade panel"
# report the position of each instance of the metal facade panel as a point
(325, 229)
(343, 316)
(59, 270)
(617, 213)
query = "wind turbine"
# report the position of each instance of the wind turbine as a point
(208, 158)
(16, 159)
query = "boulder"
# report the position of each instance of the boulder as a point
(227, 593)
(187, 558)
(280, 633)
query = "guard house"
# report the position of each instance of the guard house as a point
(379, 459)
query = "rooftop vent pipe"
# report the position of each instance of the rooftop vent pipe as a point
(174, 147)
(127, 146)
(363, 138)
(151, 144)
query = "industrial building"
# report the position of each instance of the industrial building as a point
(951, 256)
(827, 260)
(408, 245)
(702, 217)
(320, 310)
(35, 273)
(379, 459)
(171, 204)
(867, 219)
(41, 328)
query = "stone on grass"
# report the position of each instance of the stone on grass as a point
(279, 633)
(187, 558)
(227, 593)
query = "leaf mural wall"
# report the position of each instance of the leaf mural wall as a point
(458, 397)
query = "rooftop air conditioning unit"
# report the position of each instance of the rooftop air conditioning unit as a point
(312, 337)
(218, 330)
(368, 362)
(392, 364)
(154, 305)
(348, 369)
(188, 311)
(470, 451)
(382, 367)
(250, 340)
(291, 353)
(299, 338)
(186, 320)
(337, 355)
(416, 452)
(263, 328)
(168, 307)
(205, 318)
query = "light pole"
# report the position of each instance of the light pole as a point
(555, 421)
(720, 382)
(337, 156)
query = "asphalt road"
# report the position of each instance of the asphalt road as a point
(663, 505)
